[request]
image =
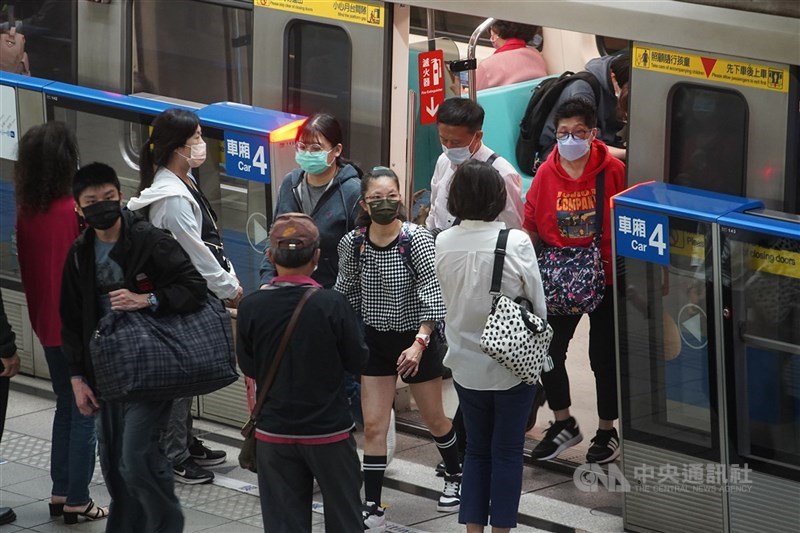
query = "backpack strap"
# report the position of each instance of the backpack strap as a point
(359, 241)
(600, 204)
(492, 158)
(404, 246)
(499, 261)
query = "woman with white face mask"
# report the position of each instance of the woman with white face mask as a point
(560, 211)
(172, 200)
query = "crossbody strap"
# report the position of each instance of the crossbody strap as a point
(600, 204)
(499, 261)
(273, 369)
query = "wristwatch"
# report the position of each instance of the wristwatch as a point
(423, 339)
(152, 301)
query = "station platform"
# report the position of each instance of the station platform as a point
(550, 500)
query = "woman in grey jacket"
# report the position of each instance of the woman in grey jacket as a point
(326, 187)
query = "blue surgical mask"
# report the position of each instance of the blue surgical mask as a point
(458, 155)
(312, 162)
(572, 149)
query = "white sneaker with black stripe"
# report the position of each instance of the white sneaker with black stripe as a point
(450, 500)
(561, 435)
(604, 448)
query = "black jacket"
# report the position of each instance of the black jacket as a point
(307, 398)
(151, 260)
(8, 345)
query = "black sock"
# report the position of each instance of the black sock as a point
(448, 447)
(374, 468)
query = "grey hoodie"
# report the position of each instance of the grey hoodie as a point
(607, 123)
(335, 215)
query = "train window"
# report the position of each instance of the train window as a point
(180, 47)
(707, 138)
(49, 27)
(608, 46)
(319, 70)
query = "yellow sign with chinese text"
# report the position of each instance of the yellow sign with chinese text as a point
(341, 10)
(733, 72)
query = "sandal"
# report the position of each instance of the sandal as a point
(92, 512)
(56, 509)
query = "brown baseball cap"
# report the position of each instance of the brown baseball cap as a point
(293, 231)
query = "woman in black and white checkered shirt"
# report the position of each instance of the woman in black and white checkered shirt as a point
(386, 270)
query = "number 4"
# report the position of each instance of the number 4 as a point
(259, 161)
(657, 239)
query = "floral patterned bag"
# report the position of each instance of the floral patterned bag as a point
(573, 278)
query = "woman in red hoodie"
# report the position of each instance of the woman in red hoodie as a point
(46, 227)
(560, 211)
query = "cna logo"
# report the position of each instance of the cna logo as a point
(589, 477)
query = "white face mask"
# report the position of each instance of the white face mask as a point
(198, 154)
(458, 155)
(572, 149)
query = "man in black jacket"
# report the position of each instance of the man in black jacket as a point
(9, 366)
(303, 430)
(123, 263)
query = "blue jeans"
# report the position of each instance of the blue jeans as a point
(492, 478)
(138, 474)
(74, 442)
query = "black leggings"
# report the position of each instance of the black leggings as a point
(602, 356)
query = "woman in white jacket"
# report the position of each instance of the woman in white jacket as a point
(171, 198)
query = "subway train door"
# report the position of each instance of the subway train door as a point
(726, 124)
(310, 57)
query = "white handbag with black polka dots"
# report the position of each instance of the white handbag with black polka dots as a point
(514, 336)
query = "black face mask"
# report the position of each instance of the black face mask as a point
(102, 215)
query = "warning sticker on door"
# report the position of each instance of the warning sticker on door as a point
(343, 10)
(734, 72)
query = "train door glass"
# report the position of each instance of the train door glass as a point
(115, 138)
(762, 275)
(49, 27)
(181, 48)
(667, 344)
(319, 70)
(707, 138)
(9, 267)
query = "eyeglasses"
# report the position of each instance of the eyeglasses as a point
(313, 148)
(577, 135)
(392, 197)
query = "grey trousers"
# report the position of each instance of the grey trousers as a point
(286, 475)
(176, 438)
(138, 475)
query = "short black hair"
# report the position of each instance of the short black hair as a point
(621, 67)
(477, 192)
(461, 112)
(577, 107)
(288, 258)
(93, 175)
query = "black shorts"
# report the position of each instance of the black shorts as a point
(385, 348)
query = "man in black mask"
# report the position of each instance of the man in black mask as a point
(123, 263)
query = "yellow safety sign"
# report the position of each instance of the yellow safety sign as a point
(773, 261)
(687, 244)
(722, 70)
(341, 10)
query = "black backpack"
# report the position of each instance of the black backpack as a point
(530, 154)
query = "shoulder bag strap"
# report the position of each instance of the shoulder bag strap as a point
(600, 204)
(499, 260)
(273, 369)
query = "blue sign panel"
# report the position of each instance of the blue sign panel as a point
(641, 235)
(247, 156)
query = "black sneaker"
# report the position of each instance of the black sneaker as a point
(604, 448)
(450, 499)
(441, 470)
(373, 516)
(561, 435)
(205, 456)
(189, 473)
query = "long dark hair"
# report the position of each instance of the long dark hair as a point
(171, 129)
(46, 163)
(377, 172)
(325, 125)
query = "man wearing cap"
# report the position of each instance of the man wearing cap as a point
(303, 432)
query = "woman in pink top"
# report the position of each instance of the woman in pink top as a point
(46, 227)
(513, 60)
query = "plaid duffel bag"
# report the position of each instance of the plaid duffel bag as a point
(140, 356)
